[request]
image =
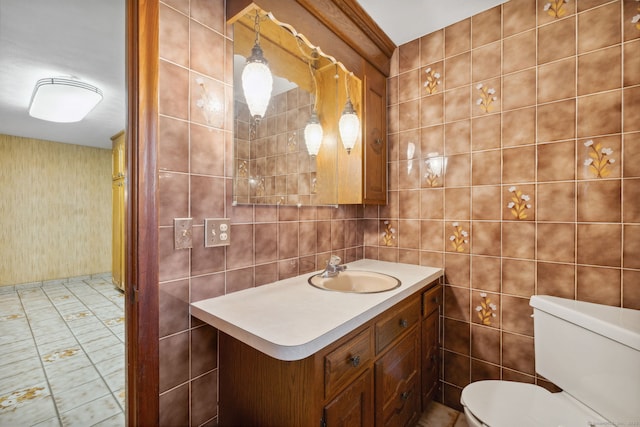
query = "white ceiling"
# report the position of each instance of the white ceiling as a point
(86, 39)
(52, 38)
(406, 20)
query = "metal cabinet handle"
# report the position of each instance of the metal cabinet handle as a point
(404, 323)
(404, 396)
(355, 361)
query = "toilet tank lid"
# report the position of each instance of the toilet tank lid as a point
(616, 323)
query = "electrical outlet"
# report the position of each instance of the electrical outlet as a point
(217, 232)
(183, 233)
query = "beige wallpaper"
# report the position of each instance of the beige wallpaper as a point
(55, 210)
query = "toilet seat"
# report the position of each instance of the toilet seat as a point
(507, 404)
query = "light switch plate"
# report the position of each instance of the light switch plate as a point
(217, 232)
(183, 233)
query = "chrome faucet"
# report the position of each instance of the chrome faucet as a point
(333, 267)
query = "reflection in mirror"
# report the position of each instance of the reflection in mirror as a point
(272, 161)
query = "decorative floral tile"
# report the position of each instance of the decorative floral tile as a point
(459, 239)
(434, 168)
(487, 97)
(519, 203)
(599, 160)
(389, 234)
(486, 309)
(208, 104)
(555, 8)
(636, 18)
(431, 81)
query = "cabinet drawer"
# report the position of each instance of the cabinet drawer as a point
(347, 361)
(431, 300)
(398, 321)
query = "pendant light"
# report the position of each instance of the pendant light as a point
(349, 123)
(313, 130)
(257, 81)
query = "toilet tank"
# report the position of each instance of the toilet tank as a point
(592, 352)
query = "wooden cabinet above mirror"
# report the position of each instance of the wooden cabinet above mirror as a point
(326, 48)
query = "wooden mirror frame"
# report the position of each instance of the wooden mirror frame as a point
(262, 169)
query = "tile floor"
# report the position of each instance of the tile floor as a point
(62, 356)
(62, 353)
(438, 415)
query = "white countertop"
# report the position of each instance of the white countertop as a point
(290, 319)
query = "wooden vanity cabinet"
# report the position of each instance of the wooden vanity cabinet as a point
(370, 377)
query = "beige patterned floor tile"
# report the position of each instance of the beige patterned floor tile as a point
(91, 413)
(80, 395)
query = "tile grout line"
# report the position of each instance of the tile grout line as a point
(40, 355)
(93, 364)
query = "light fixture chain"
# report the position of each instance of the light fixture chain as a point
(256, 28)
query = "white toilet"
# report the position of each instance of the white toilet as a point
(591, 351)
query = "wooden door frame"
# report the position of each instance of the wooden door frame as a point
(141, 228)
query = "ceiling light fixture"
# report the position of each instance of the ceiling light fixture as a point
(349, 123)
(63, 100)
(257, 81)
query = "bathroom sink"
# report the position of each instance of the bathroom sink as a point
(355, 281)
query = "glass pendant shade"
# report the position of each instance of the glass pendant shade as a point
(349, 125)
(257, 83)
(313, 135)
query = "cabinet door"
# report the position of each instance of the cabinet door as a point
(398, 382)
(117, 242)
(375, 137)
(353, 407)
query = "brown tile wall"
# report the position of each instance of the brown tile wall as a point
(195, 180)
(539, 118)
(557, 83)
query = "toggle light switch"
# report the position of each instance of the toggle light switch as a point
(217, 232)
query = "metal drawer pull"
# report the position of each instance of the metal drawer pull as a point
(404, 323)
(405, 395)
(355, 361)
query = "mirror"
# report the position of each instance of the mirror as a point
(272, 164)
